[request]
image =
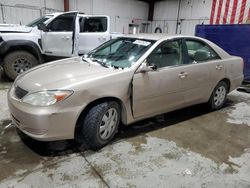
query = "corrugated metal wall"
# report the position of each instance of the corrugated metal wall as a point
(192, 12)
(122, 12)
(24, 11)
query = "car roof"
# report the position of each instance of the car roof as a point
(162, 36)
(59, 13)
(157, 36)
(80, 13)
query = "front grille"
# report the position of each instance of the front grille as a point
(20, 93)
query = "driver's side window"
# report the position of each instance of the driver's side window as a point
(168, 53)
(62, 23)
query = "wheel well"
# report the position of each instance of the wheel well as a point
(227, 81)
(28, 49)
(94, 103)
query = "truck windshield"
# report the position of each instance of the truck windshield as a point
(121, 52)
(38, 21)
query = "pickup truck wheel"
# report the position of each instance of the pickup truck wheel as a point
(100, 124)
(219, 96)
(17, 62)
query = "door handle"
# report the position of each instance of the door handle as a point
(102, 39)
(182, 75)
(219, 67)
(65, 37)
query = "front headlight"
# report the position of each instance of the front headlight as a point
(46, 98)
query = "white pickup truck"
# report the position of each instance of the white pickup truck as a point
(51, 37)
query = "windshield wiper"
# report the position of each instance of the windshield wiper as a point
(86, 60)
(100, 62)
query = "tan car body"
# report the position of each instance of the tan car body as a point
(140, 94)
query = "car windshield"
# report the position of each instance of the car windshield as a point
(38, 21)
(121, 52)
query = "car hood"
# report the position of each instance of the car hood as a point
(14, 28)
(63, 74)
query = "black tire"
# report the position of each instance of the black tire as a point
(94, 120)
(214, 103)
(17, 62)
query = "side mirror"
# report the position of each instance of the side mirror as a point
(43, 27)
(146, 68)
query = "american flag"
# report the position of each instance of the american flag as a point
(230, 12)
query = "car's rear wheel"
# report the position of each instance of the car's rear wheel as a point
(17, 62)
(100, 124)
(219, 96)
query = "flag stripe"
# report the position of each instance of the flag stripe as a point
(226, 11)
(215, 12)
(212, 12)
(245, 16)
(230, 11)
(219, 12)
(234, 12)
(237, 14)
(242, 10)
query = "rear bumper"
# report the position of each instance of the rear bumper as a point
(43, 123)
(236, 82)
(245, 86)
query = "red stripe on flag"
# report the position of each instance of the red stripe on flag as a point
(226, 11)
(219, 12)
(234, 12)
(242, 10)
(212, 11)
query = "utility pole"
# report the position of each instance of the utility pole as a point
(178, 17)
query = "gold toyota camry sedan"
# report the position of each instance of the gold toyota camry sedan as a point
(122, 81)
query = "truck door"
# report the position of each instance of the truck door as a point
(59, 39)
(94, 30)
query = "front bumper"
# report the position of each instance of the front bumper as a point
(56, 122)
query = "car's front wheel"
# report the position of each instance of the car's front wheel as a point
(219, 96)
(101, 123)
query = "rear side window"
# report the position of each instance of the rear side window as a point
(62, 23)
(93, 24)
(199, 52)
